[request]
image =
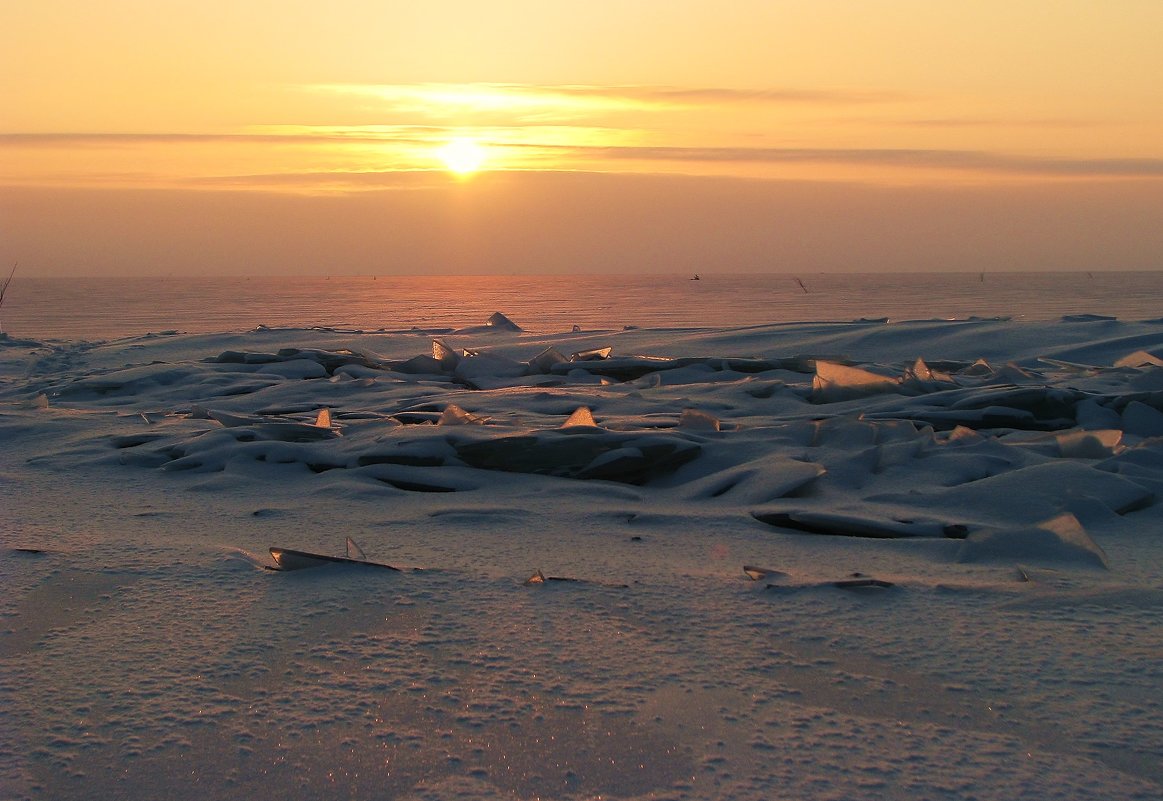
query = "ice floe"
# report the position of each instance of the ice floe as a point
(951, 534)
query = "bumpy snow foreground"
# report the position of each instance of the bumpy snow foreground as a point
(995, 485)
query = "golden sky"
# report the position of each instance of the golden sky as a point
(458, 97)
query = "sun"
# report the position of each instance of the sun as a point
(462, 156)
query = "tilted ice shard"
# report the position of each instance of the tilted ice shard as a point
(581, 417)
(454, 415)
(354, 551)
(447, 357)
(543, 362)
(1094, 444)
(1061, 539)
(590, 355)
(835, 382)
(500, 321)
(1139, 358)
(698, 420)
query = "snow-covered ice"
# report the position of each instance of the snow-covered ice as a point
(956, 524)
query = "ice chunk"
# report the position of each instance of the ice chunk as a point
(1061, 539)
(850, 525)
(1142, 420)
(582, 416)
(295, 368)
(756, 573)
(354, 551)
(979, 368)
(925, 375)
(1148, 379)
(477, 369)
(1090, 414)
(591, 355)
(698, 420)
(636, 459)
(1099, 444)
(423, 365)
(1035, 492)
(453, 415)
(963, 434)
(758, 481)
(447, 357)
(543, 362)
(227, 419)
(836, 382)
(1139, 358)
(1015, 374)
(501, 322)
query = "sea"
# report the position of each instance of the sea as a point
(100, 309)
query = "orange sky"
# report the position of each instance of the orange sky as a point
(919, 135)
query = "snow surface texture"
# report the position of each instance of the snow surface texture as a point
(955, 553)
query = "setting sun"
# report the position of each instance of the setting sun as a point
(462, 156)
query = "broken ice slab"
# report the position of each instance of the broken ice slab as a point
(758, 573)
(446, 356)
(837, 382)
(1096, 444)
(480, 369)
(268, 427)
(291, 559)
(1142, 420)
(698, 420)
(1045, 490)
(1061, 539)
(501, 322)
(857, 581)
(582, 453)
(538, 579)
(852, 526)
(453, 415)
(853, 581)
(591, 355)
(543, 362)
(1140, 358)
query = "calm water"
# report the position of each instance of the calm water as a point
(111, 308)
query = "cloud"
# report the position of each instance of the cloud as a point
(993, 122)
(572, 100)
(280, 135)
(972, 160)
(668, 95)
(584, 149)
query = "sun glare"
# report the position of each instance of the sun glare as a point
(462, 156)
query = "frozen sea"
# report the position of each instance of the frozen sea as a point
(891, 537)
(92, 308)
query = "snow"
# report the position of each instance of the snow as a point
(956, 523)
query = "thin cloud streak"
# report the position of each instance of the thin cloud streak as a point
(888, 157)
(566, 97)
(524, 139)
(298, 135)
(990, 122)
